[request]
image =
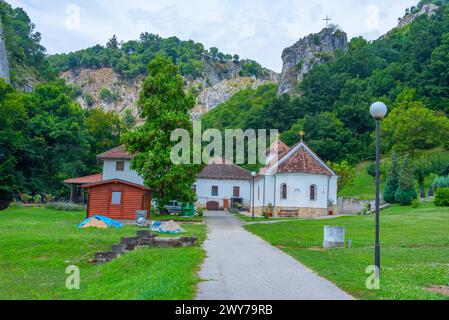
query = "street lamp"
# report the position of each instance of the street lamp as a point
(378, 111)
(253, 175)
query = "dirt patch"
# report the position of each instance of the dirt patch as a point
(316, 249)
(444, 290)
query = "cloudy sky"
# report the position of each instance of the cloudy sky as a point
(256, 29)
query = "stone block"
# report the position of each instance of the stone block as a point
(334, 237)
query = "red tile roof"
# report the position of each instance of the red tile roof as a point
(303, 161)
(224, 172)
(280, 145)
(116, 153)
(85, 180)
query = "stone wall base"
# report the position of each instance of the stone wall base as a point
(302, 212)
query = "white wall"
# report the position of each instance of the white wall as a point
(225, 190)
(109, 172)
(298, 190)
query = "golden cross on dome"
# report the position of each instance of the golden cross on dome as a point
(302, 134)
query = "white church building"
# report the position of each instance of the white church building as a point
(295, 182)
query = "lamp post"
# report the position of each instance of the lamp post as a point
(253, 175)
(378, 111)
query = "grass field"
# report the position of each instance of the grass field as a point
(37, 244)
(363, 186)
(415, 251)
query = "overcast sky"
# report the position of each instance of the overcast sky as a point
(256, 29)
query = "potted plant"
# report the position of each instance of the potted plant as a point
(49, 198)
(331, 207)
(37, 199)
(270, 210)
(25, 198)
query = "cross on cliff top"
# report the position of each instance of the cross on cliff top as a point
(327, 21)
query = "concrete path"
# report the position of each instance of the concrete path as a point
(241, 266)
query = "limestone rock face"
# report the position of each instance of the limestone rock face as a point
(221, 80)
(307, 52)
(427, 9)
(221, 92)
(4, 66)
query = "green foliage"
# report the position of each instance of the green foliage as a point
(164, 106)
(109, 96)
(406, 191)
(37, 198)
(251, 68)
(442, 197)
(344, 171)
(392, 181)
(128, 119)
(371, 169)
(26, 56)
(412, 126)
(415, 203)
(441, 182)
(89, 100)
(130, 59)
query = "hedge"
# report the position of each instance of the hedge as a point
(442, 197)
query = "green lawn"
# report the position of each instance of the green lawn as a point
(363, 186)
(415, 251)
(37, 244)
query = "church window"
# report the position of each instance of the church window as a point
(284, 191)
(313, 192)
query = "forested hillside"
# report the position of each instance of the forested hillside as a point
(26, 56)
(45, 136)
(407, 68)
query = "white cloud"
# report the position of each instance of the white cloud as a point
(256, 29)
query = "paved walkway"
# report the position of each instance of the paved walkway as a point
(241, 266)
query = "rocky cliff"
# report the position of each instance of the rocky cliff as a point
(4, 66)
(427, 9)
(219, 83)
(307, 52)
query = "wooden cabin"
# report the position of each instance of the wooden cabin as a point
(117, 199)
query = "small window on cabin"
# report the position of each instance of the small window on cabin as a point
(284, 192)
(116, 198)
(120, 166)
(214, 191)
(236, 192)
(313, 192)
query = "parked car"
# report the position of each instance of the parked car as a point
(178, 208)
(174, 207)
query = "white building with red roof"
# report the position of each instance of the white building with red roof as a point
(295, 182)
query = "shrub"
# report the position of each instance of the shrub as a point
(371, 169)
(415, 203)
(65, 206)
(405, 197)
(441, 182)
(392, 183)
(442, 197)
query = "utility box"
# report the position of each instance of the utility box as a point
(334, 237)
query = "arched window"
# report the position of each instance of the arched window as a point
(313, 192)
(284, 191)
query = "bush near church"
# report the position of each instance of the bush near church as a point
(442, 197)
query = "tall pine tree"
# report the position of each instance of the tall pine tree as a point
(164, 106)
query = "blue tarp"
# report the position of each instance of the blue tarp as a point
(166, 227)
(108, 221)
